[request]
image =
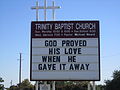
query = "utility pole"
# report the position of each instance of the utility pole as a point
(11, 82)
(20, 69)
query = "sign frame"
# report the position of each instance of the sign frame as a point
(98, 36)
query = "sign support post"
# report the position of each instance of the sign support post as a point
(45, 4)
(94, 85)
(53, 7)
(53, 85)
(89, 86)
(45, 7)
(36, 85)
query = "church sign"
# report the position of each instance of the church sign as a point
(65, 50)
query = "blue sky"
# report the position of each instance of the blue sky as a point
(15, 20)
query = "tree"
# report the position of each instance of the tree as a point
(116, 74)
(1, 85)
(1, 80)
(25, 85)
(71, 85)
(114, 84)
(13, 87)
(100, 87)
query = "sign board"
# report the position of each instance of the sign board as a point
(65, 50)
